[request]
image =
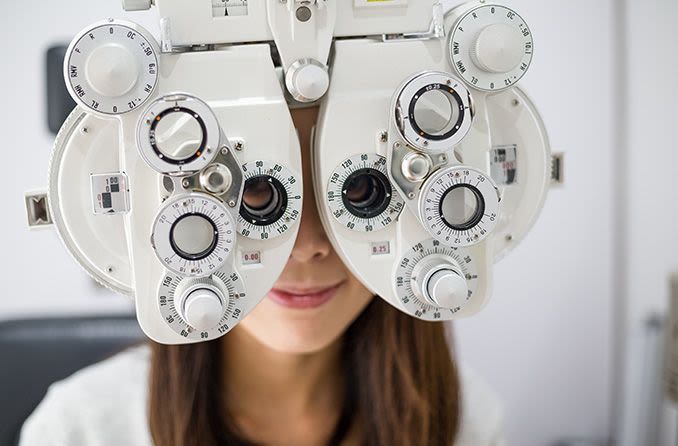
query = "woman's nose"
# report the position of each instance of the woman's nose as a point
(312, 243)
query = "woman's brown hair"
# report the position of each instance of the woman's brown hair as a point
(402, 386)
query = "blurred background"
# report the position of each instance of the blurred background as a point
(576, 335)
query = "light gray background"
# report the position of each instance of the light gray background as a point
(593, 268)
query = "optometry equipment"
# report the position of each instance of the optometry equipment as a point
(177, 179)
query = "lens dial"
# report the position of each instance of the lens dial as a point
(112, 67)
(271, 202)
(433, 112)
(178, 134)
(459, 206)
(202, 309)
(193, 235)
(433, 281)
(490, 47)
(360, 196)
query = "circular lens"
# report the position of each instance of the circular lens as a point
(193, 236)
(462, 207)
(436, 112)
(366, 193)
(264, 200)
(178, 135)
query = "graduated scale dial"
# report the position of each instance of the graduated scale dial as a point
(202, 308)
(490, 47)
(112, 67)
(432, 278)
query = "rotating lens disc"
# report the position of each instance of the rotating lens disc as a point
(459, 206)
(433, 111)
(193, 235)
(360, 195)
(271, 202)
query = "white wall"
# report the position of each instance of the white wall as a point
(544, 340)
(650, 199)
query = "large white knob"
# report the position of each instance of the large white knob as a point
(307, 80)
(112, 70)
(439, 281)
(447, 289)
(200, 302)
(136, 5)
(498, 49)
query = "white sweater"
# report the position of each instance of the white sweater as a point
(105, 405)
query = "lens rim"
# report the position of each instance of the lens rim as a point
(203, 142)
(201, 255)
(455, 100)
(477, 215)
(385, 192)
(279, 210)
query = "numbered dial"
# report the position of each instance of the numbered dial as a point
(202, 309)
(491, 47)
(112, 67)
(459, 206)
(433, 111)
(178, 134)
(433, 281)
(193, 235)
(271, 202)
(360, 195)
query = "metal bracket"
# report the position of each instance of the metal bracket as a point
(37, 209)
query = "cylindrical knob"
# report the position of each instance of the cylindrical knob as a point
(202, 309)
(201, 302)
(307, 80)
(447, 289)
(498, 49)
(136, 5)
(112, 70)
(437, 280)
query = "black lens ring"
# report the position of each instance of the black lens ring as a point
(203, 143)
(279, 210)
(477, 216)
(384, 191)
(201, 255)
(447, 90)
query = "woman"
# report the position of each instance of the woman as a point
(320, 361)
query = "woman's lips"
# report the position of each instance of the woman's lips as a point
(303, 298)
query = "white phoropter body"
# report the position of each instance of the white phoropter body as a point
(177, 179)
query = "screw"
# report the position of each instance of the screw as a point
(110, 269)
(224, 150)
(396, 145)
(231, 203)
(508, 237)
(410, 195)
(239, 146)
(443, 158)
(425, 143)
(186, 184)
(84, 130)
(515, 102)
(449, 82)
(383, 136)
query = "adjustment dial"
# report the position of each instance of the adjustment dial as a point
(271, 202)
(360, 195)
(201, 309)
(193, 235)
(459, 206)
(433, 280)
(112, 67)
(490, 47)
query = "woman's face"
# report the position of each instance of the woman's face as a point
(316, 297)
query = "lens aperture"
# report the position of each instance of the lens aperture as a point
(366, 193)
(193, 236)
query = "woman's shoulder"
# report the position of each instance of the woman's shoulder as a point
(482, 415)
(104, 403)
